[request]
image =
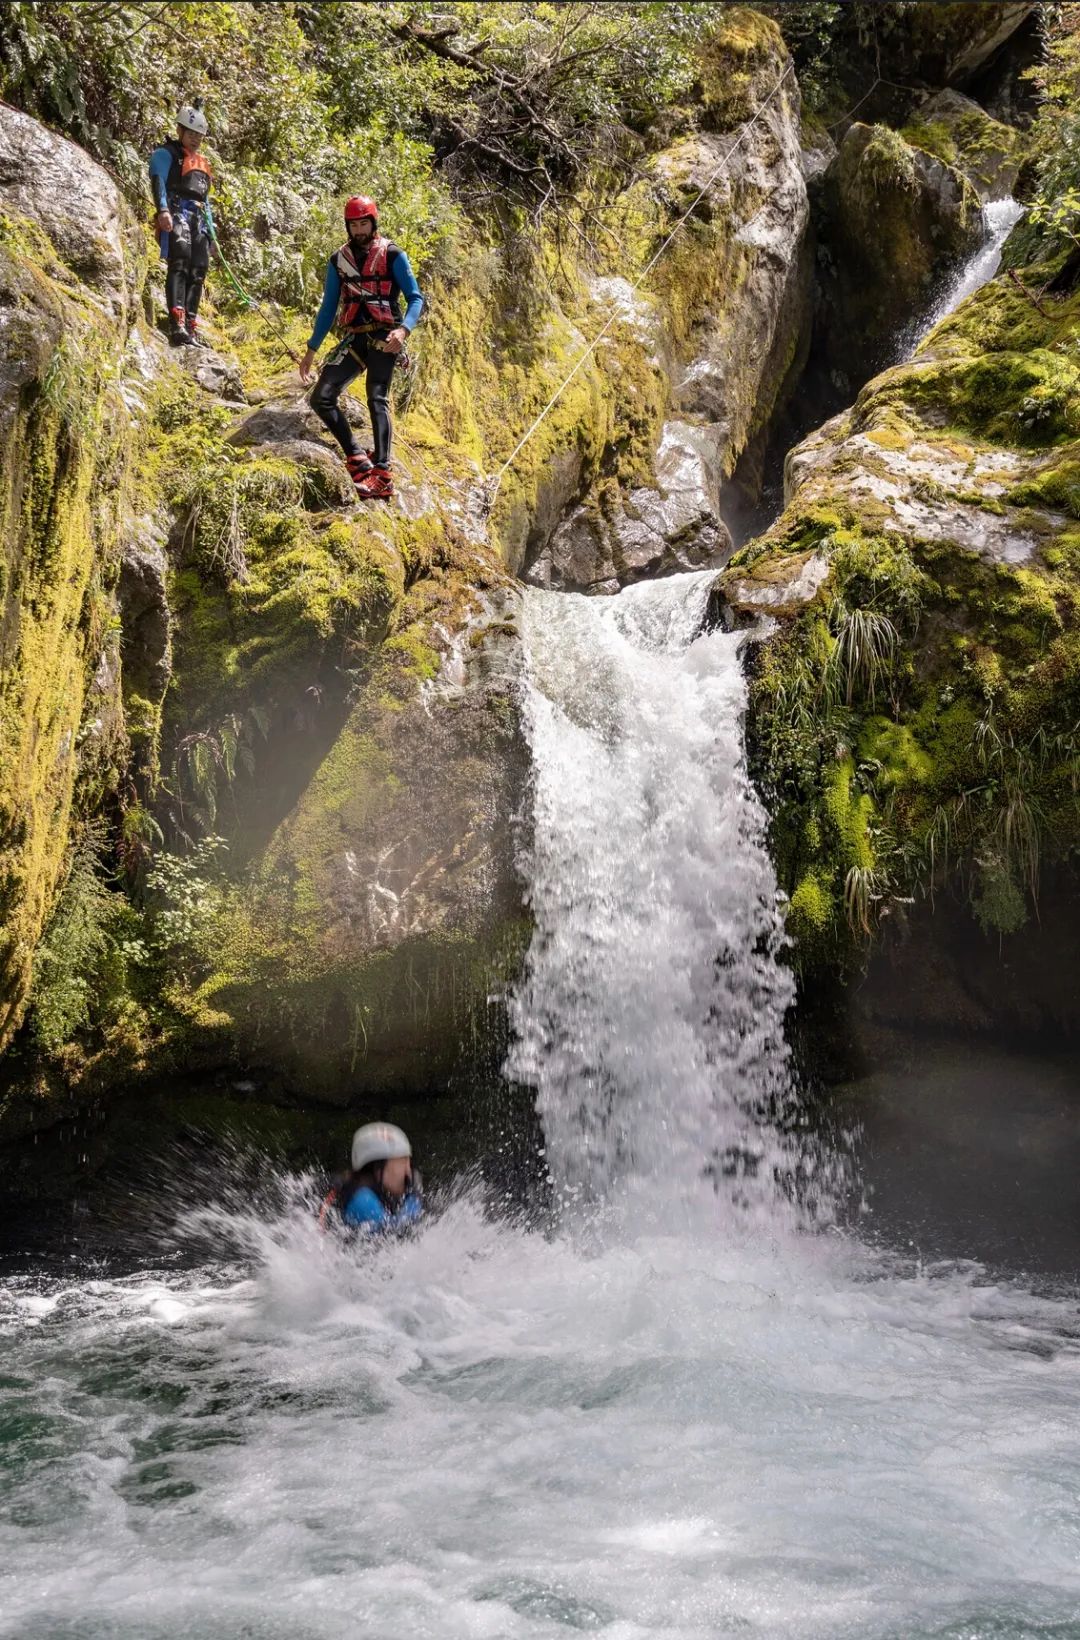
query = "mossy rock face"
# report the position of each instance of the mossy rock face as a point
(67, 283)
(914, 726)
(386, 908)
(961, 134)
(892, 221)
(726, 316)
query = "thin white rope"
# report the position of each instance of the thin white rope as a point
(636, 286)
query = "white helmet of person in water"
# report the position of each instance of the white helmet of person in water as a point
(378, 1142)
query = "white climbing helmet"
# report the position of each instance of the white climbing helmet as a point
(378, 1142)
(193, 118)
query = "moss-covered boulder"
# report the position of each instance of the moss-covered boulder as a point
(70, 264)
(385, 910)
(892, 221)
(963, 135)
(915, 725)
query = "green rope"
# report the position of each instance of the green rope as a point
(248, 301)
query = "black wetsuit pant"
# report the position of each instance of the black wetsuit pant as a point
(189, 258)
(347, 362)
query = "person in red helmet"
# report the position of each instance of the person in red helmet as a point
(366, 282)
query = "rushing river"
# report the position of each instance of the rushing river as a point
(687, 1406)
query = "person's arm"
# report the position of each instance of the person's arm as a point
(328, 308)
(160, 166)
(405, 279)
(323, 319)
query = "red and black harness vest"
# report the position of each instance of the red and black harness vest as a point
(367, 291)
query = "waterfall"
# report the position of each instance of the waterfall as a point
(1000, 218)
(650, 1018)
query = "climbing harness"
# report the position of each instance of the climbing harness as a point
(495, 483)
(246, 300)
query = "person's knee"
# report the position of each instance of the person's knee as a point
(323, 397)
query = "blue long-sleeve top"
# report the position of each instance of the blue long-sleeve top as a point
(404, 280)
(161, 164)
(366, 1212)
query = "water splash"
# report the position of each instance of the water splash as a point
(485, 1434)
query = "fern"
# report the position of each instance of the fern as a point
(81, 934)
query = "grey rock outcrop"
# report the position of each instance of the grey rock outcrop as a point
(660, 531)
(78, 206)
(729, 366)
(989, 154)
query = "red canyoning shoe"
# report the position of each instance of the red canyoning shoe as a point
(359, 469)
(377, 486)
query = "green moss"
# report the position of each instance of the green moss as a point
(886, 166)
(851, 813)
(58, 464)
(971, 142)
(1056, 486)
(420, 660)
(733, 52)
(936, 138)
(893, 747)
(811, 911)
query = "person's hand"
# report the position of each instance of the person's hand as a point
(395, 341)
(306, 364)
(164, 222)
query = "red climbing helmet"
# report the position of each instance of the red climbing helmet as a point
(359, 206)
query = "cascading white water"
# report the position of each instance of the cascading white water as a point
(650, 1020)
(1000, 218)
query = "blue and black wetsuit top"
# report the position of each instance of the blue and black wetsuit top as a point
(402, 287)
(364, 1209)
(368, 1212)
(180, 182)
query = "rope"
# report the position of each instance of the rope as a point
(636, 286)
(248, 301)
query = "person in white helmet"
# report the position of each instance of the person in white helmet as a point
(382, 1192)
(181, 179)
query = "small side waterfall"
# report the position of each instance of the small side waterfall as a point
(1000, 217)
(650, 1018)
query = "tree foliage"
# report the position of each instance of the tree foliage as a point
(516, 104)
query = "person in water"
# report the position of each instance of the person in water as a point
(366, 281)
(383, 1191)
(181, 179)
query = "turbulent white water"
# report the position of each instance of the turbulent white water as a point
(1000, 217)
(651, 1019)
(673, 1415)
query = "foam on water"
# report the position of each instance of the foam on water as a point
(489, 1432)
